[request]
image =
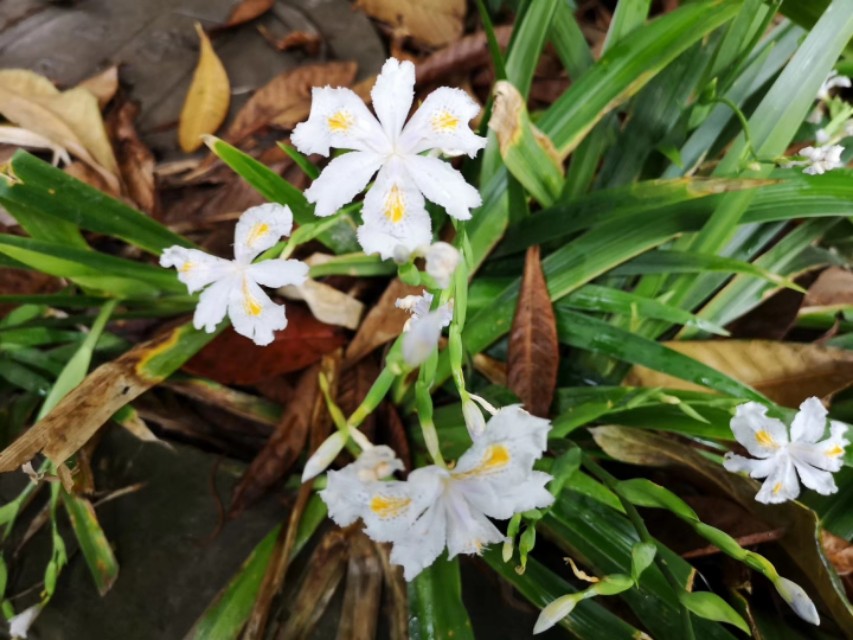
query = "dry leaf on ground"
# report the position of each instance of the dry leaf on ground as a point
(459, 57)
(433, 22)
(245, 11)
(383, 322)
(286, 99)
(208, 98)
(833, 288)
(102, 85)
(327, 303)
(27, 139)
(307, 42)
(71, 119)
(786, 372)
(136, 162)
(534, 351)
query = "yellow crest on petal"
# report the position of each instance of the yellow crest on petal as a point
(340, 122)
(395, 205)
(495, 458)
(389, 507)
(258, 231)
(444, 121)
(251, 306)
(765, 439)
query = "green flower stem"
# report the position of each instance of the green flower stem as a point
(636, 519)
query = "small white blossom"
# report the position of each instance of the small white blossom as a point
(234, 286)
(819, 160)
(423, 330)
(833, 80)
(436, 507)
(781, 459)
(19, 625)
(394, 210)
(441, 262)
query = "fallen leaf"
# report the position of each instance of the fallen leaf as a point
(493, 370)
(133, 423)
(208, 97)
(534, 351)
(362, 591)
(71, 119)
(85, 173)
(433, 22)
(327, 303)
(246, 11)
(20, 137)
(383, 323)
(283, 448)
(135, 160)
(459, 57)
(232, 359)
(833, 288)
(839, 552)
(786, 372)
(396, 590)
(102, 85)
(301, 40)
(286, 99)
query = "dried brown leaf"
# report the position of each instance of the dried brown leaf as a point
(363, 591)
(533, 347)
(839, 552)
(283, 448)
(396, 595)
(459, 57)
(85, 173)
(432, 22)
(383, 323)
(135, 160)
(247, 10)
(102, 85)
(301, 40)
(207, 100)
(328, 304)
(834, 287)
(786, 372)
(286, 99)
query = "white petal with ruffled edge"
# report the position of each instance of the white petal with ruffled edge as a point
(444, 185)
(253, 314)
(422, 543)
(781, 485)
(213, 304)
(809, 424)
(340, 119)
(392, 95)
(441, 262)
(441, 122)
(468, 529)
(278, 273)
(343, 178)
(196, 269)
(422, 336)
(760, 435)
(259, 228)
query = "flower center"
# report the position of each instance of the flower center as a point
(340, 122)
(389, 507)
(395, 206)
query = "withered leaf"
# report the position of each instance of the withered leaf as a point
(534, 354)
(286, 99)
(383, 323)
(232, 359)
(362, 591)
(786, 372)
(207, 100)
(246, 11)
(433, 22)
(459, 57)
(102, 85)
(307, 42)
(135, 160)
(283, 448)
(833, 287)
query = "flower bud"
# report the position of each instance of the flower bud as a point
(474, 419)
(555, 611)
(798, 600)
(19, 625)
(324, 455)
(441, 262)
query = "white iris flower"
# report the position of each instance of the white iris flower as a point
(437, 508)
(833, 80)
(234, 286)
(423, 330)
(394, 213)
(781, 459)
(819, 160)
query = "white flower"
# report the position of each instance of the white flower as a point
(832, 81)
(233, 286)
(394, 212)
(437, 508)
(423, 330)
(19, 625)
(819, 160)
(780, 459)
(441, 262)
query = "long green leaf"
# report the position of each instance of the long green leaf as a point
(435, 603)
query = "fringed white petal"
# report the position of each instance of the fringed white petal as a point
(253, 314)
(340, 119)
(468, 529)
(810, 422)
(423, 542)
(259, 228)
(278, 273)
(781, 485)
(760, 435)
(815, 479)
(441, 122)
(213, 304)
(441, 262)
(343, 178)
(196, 269)
(392, 95)
(422, 336)
(441, 183)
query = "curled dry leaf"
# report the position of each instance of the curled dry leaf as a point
(247, 10)
(362, 590)
(307, 42)
(207, 100)
(327, 303)
(432, 22)
(786, 372)
(286, 99)
(283, 448)
(533, 346)
(20, 137)
(839, 552)
(232, 359)
(833, 288)
(459, 57)
(383, 322)
(136, 162)
(71, 119)
(102, 85)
